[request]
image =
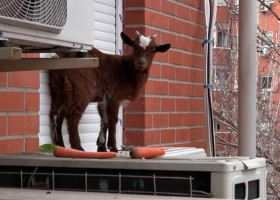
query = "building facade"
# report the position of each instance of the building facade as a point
(169, 111)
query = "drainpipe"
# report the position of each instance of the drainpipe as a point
(247, 78)
(210, 20)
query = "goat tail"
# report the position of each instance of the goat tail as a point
(95, 52)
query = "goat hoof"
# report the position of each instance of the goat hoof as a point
(101, 149)
(114, 150)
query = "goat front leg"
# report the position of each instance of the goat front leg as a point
(112, 112)
(101, 141)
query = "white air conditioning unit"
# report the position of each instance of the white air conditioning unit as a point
(44, 24)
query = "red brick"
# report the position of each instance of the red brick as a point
(200, 144)
(155, 71)
(137, 105)
(134, 17)
(175, 57)
(182, 74)
(182, 104)
(175, 89)
(196, 76)
(23, 124)
(134, 137)
(148, 88)
(196, 16)
(182, 135)
(182, 11)
(168, 7)
(189, 119)
(167, 136)
(138, 120)
(153, 4)
(160, 21)
(168, 38)
(200, 119)
(160, 120)
(199, 90)
(189, 60)
(167, 104)
(24, 79)
(3, 125)
(190, 2)
(185, 43)
(11, 146)
(160, 87)
(195, 46)
(196, 105)
(3, 78)
(175, 119)
(188, 90)
(197, 133)
(199, 61)
(163, 57)
(180, 42)
(32, 100)
(11, 101)
(152, 137)
(189, 29)
(32, 144)
(167, 72)
(134, 3)
(175, 25)
(152, 104)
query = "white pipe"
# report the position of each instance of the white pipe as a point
(247, 78)
(208, 123)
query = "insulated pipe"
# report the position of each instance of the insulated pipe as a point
(210, 20)
(247, 78)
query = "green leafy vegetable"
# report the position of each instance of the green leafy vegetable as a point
(49, 148)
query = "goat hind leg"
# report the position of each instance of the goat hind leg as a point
(56, 121)
(101, 141)
(112, 112)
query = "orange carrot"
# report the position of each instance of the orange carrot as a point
(146, 152)
(73, 153)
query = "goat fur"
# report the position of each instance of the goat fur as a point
(118, 78)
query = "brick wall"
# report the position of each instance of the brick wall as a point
(170, 110)
(19, 106)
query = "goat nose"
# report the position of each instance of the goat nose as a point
(141, 62)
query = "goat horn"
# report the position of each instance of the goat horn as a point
(154, 36)
(138, 34)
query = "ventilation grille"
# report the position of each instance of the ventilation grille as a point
(41, 12)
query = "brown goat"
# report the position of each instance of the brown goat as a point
(117, 79)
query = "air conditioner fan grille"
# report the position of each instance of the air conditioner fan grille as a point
(46, 12)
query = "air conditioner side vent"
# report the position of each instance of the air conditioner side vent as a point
(36, 13)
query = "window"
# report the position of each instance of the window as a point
(266, 82)
(221, 78)
(222, 2)
(222, 39)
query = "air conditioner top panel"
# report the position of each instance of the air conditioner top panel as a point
(44, 24)
(207, 164)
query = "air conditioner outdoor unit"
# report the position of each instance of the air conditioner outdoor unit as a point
(180, 172)
(44, 24)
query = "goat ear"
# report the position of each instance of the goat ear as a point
(163, 48)
(126, 39)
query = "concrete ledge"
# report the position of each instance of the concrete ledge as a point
(31, 194)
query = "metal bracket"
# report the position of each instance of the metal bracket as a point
(10, 60)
